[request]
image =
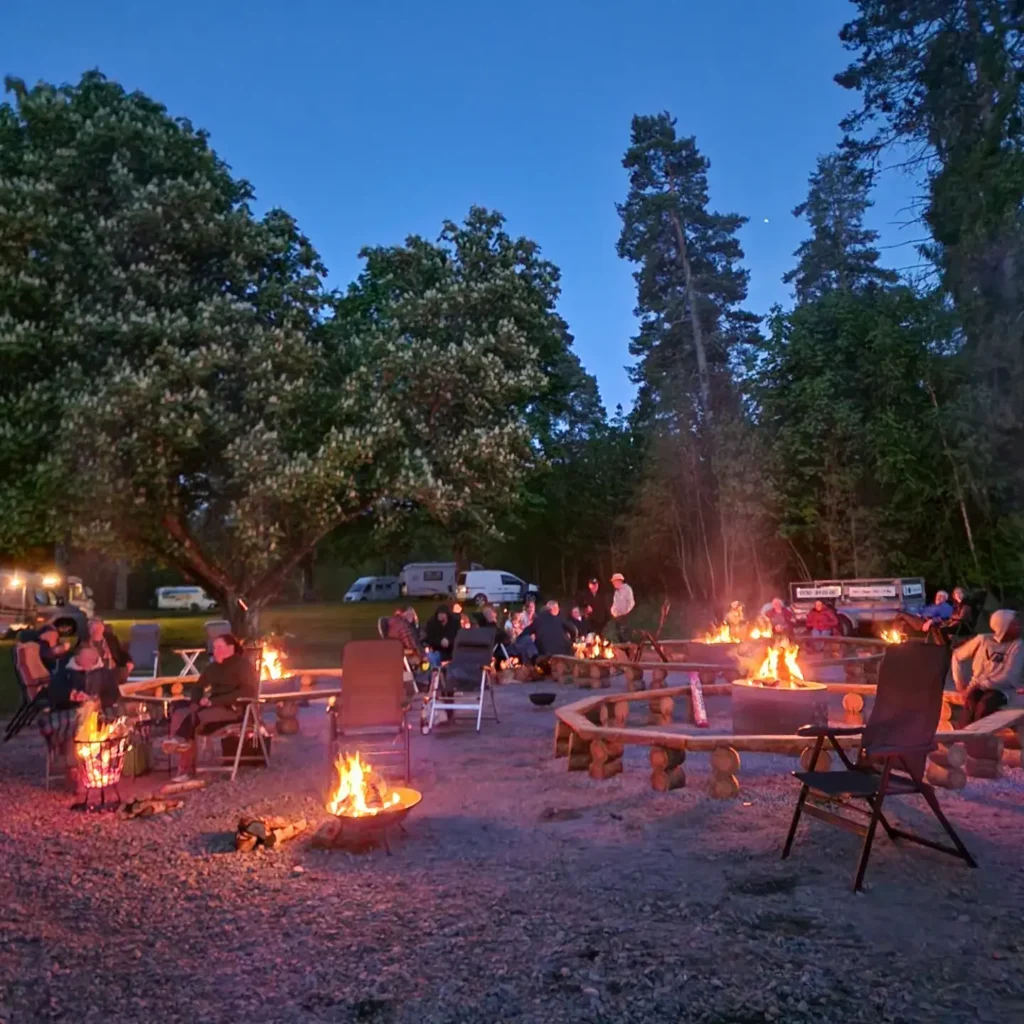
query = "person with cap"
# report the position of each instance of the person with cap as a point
(593, 606)
(623, 604)
(989, 668)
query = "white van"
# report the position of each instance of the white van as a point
(191, 599)
(428, 579)
(374, 588)
(492, 585)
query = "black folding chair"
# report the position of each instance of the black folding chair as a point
(467, 674)
(896, 741)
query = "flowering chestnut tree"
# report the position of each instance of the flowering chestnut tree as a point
(185, 388)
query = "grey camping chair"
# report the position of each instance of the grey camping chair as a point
(463, 683)
(144, 650)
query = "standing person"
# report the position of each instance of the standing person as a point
(822, 620)
(104, 641)
(228, 678)
(623, 604)
(736, 619)
(594, 605)
(781, 618)
(53, 653)
(988, 669)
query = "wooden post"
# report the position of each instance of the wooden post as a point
(605, 769)
(663, 781)
(658, 678)
(562, 734)
(621, 712)
(853, 702)
(605, 750)
(724, 787)
(725, 760)
(823, 764)
(287, 718)
(665, 758)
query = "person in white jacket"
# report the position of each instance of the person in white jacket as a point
(989, 668)
(623, 604)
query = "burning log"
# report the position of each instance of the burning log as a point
(665, 781)
(664, 759)
(147, 807)
(271, 832)
(182, 787)
(276, 836)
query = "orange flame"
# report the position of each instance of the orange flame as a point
(721, 634)
(271, 663)
(355, 795)
(100, 759)
(594, 647)
(760, 634)
(783, 657)
(892, 636)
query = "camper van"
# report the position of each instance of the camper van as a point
(31, 600)
(492, 585)
(428, 579)
(374, 588)
(186, 599)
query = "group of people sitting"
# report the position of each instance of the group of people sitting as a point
(942, 619)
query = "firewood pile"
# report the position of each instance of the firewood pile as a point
(270, 831)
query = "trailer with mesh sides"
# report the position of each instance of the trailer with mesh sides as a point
(859, 603)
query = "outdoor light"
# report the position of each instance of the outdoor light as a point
(51, 580)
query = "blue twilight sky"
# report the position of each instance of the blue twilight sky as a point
(371, 122)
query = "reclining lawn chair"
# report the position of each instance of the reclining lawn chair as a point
(33, 679)
(463, 682)
(144, 651)
(896, 741)
(215, 628)
(370, 715)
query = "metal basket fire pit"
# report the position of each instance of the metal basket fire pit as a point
(100, 763)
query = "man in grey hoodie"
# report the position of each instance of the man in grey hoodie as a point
(989, 668)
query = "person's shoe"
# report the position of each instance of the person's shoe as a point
(183, 777)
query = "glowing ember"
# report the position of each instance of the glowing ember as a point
(594, 647)
(356, 795)
(271, 662)
(780, 667)
(100, 747)
(892, 636)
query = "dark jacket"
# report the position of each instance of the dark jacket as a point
(52, 661)
(100, 682)
(227, 681)
(434, 632)
(114, 647)
(597, 618)
(824, 620)
(552, 634)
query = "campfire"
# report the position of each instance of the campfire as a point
(892, 636)
(723, 633)
(780, 668)
(777, 700)
(358, 791)
(271, 662)
(100, 747)
(594, 647)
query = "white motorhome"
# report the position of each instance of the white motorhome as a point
(185, 598)
(492, 585)
(428, 579)
(374, 588)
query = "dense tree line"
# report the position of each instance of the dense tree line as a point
(180, 385)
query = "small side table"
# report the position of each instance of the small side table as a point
(189, 656)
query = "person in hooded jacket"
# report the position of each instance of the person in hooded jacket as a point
(85, 674)
(439, 633)
(989, 668)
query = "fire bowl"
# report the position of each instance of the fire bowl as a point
(777, 709)
(359, 831)
(542, 700)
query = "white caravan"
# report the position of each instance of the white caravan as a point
(428, 579)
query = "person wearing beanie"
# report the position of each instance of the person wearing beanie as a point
(989, 668)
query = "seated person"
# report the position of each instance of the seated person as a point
(439, 634)
(822, 620)
(551, 633)
(579, 620)
(402, 626)
(932, 618)
(102, 639)
(229, 677)
(502, 641)
(85, 675)
(53, 653)
(736, 619)
(988, 669)
(781, 618)
(961, 622)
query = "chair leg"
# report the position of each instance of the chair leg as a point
(801, 800)
(869, 837)
(929, 794)
(480, 706)
(241, 742)
(435, 685)
(494, 705)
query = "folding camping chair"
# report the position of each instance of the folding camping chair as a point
(896, 741)
(33, 679)
(469, 672)
(144, 651)
(370, 715)
(215, 628)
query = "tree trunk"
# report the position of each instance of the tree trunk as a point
(699, 349)
(121, 586)
(244, 617)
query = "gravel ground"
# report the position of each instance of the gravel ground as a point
(520, 892)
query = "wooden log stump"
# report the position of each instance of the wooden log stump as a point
(579, 762)
(725, 761)
(182, 787)
(945, 777)
(286, 718)
(557, 668)
(823, 763)
(605, 750)
(621, 713)
(634, 678)
(605, 769)
(662, 708)
(147, 807)
(724, 787)
(664, 781)
(984, 748)
(562, 733)
(666, 758)
(327, 834)
(853, 702)
(177, 689)
(952, 756)
(1011, 758)
(983, 768)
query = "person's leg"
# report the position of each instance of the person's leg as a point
(988, 702)
(622, 630)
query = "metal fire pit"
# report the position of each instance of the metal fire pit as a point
(777, 710)
(100, 764)
(362, 831)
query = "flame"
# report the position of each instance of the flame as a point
(760, 634)
(780, 666)
(594, 647)
(355, 795)
(271, 662)
(892, 636)
(101, 759)
(721, 634)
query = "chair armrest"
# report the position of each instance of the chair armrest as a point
(828, 730)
